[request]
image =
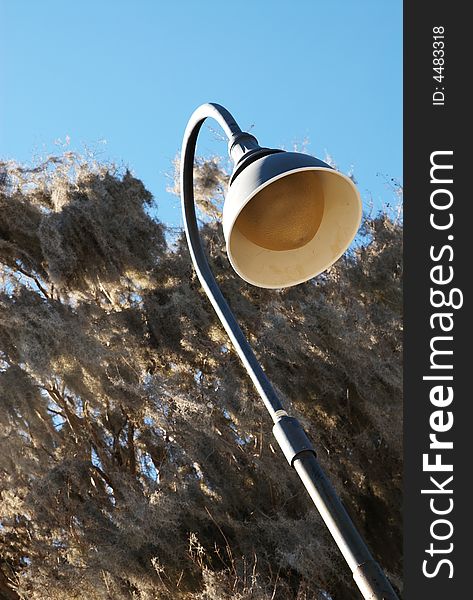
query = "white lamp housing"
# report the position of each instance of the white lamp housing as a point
(287, 217)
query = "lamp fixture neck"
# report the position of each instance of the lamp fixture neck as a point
(240, 144)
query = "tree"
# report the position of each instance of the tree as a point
(137, 460)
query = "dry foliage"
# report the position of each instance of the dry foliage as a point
(137, 461)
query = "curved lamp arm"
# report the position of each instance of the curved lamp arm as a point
(292, 439)
(246, 354)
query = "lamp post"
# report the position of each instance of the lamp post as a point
(287, 217)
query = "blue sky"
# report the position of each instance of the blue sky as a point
(122, 77)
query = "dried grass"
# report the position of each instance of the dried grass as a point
(129, 426)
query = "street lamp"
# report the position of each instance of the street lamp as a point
(287, 217)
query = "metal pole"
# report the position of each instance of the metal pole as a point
(292, 439)
(367, 573)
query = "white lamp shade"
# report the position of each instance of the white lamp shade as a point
(287, 217)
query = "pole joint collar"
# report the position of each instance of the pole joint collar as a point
(291, 438)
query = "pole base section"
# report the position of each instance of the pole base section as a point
(372, 582)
